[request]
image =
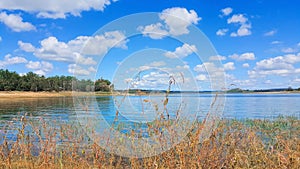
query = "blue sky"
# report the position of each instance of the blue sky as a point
(257, 42)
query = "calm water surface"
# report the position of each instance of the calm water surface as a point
(239, 106)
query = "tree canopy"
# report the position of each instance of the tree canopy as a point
(12, 81)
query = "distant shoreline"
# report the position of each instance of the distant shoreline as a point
(281, 92)
(22, 94)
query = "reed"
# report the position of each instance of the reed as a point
(233, 144)
(28, 142)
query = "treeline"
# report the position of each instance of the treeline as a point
(238, 90)
(12, 81)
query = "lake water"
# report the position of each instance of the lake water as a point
(238, 106)
(136, 110)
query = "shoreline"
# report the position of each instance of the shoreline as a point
(282, 92)
(22, 94)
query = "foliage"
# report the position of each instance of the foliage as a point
(235, 90)
(102, 85)
(11, 81)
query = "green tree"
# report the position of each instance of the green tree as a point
(102, 85)
(10, 81)
(33, 81)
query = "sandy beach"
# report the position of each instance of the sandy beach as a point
(20, 94)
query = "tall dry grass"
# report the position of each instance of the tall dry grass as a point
(234, 144)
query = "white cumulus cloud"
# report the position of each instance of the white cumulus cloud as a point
(174, 21)
(217, 57)
(8, 60)
(157, 64)
(221, 32)
(55, 8)
(288, 50)
(296, 80)
(229, 66)
(27, 47)
(270, 33)
(280, 65)
(226, 11)
(214, 73)
(182, 51)
(246, 65)
(40, 68)
(80, 71)
(53, 49)
(151, 80)
(176, 26)
(244, 56)
(276, 42)
(154, 31)
(243, 22)
(244, 30)
(237, 18)
(201, 77)
(15, 22)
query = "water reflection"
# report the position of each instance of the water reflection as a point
(60, 107)
(239, 106)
